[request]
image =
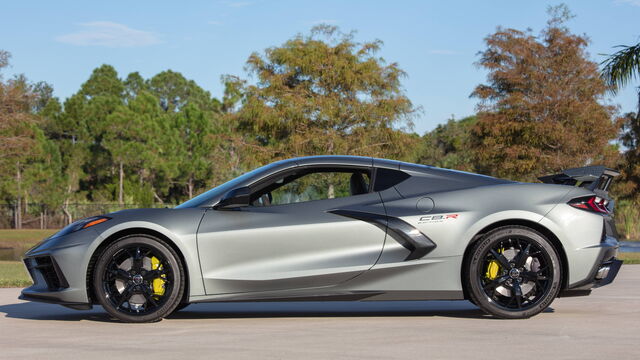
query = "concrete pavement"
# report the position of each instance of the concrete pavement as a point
(603, 325)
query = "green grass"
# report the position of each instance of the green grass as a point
(14, 243)
(630, 258)
(13, 274)
(12, 236)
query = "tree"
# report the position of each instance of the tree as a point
(175, 91)
(622, 67)
(69, 130)
(541, 110)
(448, 145)
(629, 186)
(44, 179)
(22, 141)
(133, 85)
(138, 137)
(195, 133)
(618, 70)
(323, 94)
(89, 109)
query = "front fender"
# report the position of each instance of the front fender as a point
(184, 241)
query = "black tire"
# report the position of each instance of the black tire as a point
(123, 279)
(527, 277)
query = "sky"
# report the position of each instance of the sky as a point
(435, 42)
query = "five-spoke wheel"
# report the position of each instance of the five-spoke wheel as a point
(139, 278)
(513, 272)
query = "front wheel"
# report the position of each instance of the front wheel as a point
(139, 278)
(514, 273)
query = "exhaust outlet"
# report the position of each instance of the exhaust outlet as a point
(603, 271)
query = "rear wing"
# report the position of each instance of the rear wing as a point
(596, 178)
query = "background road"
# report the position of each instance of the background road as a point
(605, 324)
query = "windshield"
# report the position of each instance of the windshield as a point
(207, 197)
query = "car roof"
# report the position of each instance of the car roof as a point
(334, 160)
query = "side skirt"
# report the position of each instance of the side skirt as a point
(343, 296)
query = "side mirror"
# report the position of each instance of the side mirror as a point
(235, 198)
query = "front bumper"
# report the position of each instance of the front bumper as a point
(58, 268)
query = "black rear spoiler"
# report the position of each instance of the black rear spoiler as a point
(595, 177)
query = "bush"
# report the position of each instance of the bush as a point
(627, 222)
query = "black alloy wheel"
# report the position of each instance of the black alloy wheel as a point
(514, 272)
(139, 278)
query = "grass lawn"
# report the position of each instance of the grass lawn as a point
(630, 258)
(14, 243)
(10, 237)
(13, 274)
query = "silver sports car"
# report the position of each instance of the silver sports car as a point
(341, 228)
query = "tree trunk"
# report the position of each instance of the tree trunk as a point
(121, 186)
(155, 195)
(65, 209)
(190, 186)
(19, 198)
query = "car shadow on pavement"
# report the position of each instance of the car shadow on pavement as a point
(43, 311)
(453, 309)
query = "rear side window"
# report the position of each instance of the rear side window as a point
(386, 178)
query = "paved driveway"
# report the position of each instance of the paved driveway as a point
(603, 325)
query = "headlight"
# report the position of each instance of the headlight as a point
(81, 224)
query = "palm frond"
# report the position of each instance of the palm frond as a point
(622, 67)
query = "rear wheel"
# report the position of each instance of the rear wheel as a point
(139, 278)
(514, 273)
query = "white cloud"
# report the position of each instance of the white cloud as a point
(109, 34)
(215, 22)
(443, 52)
(630, 2)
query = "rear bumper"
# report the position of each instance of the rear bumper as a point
(603, 272)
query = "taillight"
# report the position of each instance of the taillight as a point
(591, 203)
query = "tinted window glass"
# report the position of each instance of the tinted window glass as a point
(206, 197)
(310, 186)
(386, 178)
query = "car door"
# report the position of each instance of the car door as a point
(287, 238)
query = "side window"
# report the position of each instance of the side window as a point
(316, 184)
(386, 178)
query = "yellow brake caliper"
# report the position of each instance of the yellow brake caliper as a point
(158, 283)
(493, 269)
